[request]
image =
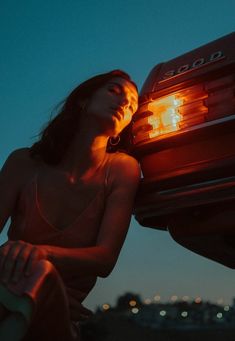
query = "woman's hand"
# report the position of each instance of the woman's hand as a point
(18, 258)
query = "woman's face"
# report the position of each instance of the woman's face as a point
(113, 105)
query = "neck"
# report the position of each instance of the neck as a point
(86, 154)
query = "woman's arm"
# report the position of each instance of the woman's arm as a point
(10, 175)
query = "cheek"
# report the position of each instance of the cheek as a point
(99, 104)
(127, 117)
(95, 106)
(126, 121)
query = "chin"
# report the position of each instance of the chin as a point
(115, 125)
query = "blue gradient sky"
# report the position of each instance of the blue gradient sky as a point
(48, 47)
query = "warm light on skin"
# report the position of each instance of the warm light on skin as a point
(128, 115)
(111, 107)
(125, 88)
(125, 96)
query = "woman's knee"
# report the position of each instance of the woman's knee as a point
(48, 276)
(46, 267)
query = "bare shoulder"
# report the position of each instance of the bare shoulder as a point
(125, 169)
(18, 157)
(13, 175)
(19, 154)
(18, 164)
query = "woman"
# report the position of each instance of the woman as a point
(70, 202)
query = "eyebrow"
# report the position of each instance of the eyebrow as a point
(123, 89)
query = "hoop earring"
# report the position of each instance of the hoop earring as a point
(114, 140)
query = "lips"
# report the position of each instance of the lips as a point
(119, 113)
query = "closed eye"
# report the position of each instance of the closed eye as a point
(115, 89)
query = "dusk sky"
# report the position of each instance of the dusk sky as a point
(48, 47)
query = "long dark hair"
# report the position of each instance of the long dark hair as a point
(56, 138)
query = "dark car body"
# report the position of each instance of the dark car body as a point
(184, 138)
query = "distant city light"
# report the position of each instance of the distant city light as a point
(162, 313)
(185, 298)
(220, 301)
(135, 310)
(105, 306)
(174, 298)
(132, 303)
(198, 300)
(176, 312)
(147, 301)
(184, 314)
(157, 298)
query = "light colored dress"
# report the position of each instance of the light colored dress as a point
(48, 316)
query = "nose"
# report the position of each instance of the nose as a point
(124, 101)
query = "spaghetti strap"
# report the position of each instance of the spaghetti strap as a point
(107, 173)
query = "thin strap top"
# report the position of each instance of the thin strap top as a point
(29, 223)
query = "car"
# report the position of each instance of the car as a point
(183, 135)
